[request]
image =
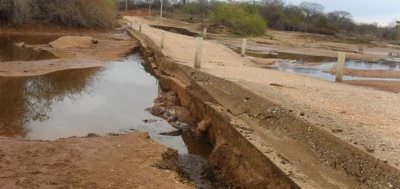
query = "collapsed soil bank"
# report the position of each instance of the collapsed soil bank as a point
(253, 162)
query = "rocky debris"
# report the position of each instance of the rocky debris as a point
(167, 106)
(149, 120)
(74, 42)
(169, 160)
(92, 135)
(195, 168)
(276, 85)
(172, 133)
(167, 99)
(202, 127)
(179, 125)
(337, 130)
(20, 45)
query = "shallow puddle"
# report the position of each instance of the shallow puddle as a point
(320, 70)
(11, 49)
(317, 66)
(69, 103)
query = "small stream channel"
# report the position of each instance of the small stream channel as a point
(110, 99)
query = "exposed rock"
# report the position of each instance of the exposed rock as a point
(20, 45)
(172, 133)
(182, 114)
(167, 107)
(74, 42)
(202, 127)
(168, 99)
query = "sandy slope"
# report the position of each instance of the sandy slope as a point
(126, 161)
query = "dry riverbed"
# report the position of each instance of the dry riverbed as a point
(130, 160)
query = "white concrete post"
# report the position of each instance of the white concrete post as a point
(140, 27)
(244, 42)
(161, 12)
(204, 33)
(340, 66)
(162, 39)
(198, 53)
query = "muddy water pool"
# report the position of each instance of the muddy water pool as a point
(67, 103)
(11, 51)
(317, 66)
(320, 70)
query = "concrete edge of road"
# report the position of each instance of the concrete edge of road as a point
(263, 162)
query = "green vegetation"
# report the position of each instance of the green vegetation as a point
(243, 18)
(79, 13)
(309, 17)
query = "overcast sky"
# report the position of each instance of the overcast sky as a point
(383, 11)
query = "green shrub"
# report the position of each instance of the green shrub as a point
(192, 8)
(244, 19)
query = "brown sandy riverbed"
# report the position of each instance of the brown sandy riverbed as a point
(126, 161)
(111, 46)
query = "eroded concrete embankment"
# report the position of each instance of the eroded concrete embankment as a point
(260, 144)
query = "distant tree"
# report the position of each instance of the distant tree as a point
(341, 20)
(272, 11)
(311, 8)
(340, 15)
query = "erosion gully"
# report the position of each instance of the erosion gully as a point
(105, 100)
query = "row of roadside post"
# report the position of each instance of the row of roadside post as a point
(199, 52)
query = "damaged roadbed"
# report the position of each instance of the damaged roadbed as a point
(259, 143)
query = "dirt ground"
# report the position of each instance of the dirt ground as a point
(126, 161)
(370, 73)
(111, 46)
(391, 86)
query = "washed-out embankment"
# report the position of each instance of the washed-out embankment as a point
(260, 144)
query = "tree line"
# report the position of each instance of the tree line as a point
(79, 13)
(310, 17)
(277, 14)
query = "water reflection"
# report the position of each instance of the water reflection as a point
(11, 52)
(69, 103)
(26, 100)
